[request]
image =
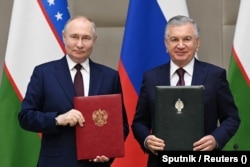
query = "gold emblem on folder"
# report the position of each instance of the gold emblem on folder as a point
(100, 117)
(179, 105)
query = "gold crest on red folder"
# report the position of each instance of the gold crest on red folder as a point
(100, 117)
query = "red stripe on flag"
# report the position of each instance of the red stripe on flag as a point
(12, 82)
(238, 62)
(134, 156)
(129, 92)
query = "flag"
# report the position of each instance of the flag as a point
(143, 48)
(34, 38)
(239, 77)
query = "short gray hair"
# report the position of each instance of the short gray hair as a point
(84, 17)
(181, 20)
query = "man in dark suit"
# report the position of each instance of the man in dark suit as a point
(182, 41)
(48, 103)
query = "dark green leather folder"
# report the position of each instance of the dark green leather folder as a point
(179, 116)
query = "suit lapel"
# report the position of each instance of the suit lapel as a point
(199, 73)
(64, 78)
(96, 78)
(163, 75)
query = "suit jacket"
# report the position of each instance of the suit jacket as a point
(50, 93)
(219, 103)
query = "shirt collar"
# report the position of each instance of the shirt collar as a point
(72, 64)
(188, 68)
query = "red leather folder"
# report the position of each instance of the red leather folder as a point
(102, 133)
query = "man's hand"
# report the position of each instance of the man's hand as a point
(207, 143)
(71, 118)
(154, 144)
(100, 159)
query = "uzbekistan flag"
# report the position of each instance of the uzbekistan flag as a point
(143, 48)
(239, 77)
(34, 38)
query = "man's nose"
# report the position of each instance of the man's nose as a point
(80, 43)
(181, 44)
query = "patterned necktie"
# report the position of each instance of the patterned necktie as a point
(78, 81)
(180, 73)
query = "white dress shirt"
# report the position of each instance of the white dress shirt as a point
(187, 76)
(85, 73)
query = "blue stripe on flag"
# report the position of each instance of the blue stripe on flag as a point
(143, 43)
(57, 13)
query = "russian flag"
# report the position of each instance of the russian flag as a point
(143, 48)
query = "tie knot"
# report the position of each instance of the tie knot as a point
(180, 72)
(78, 66)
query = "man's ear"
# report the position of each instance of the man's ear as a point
(63, 36)
(198, 44)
